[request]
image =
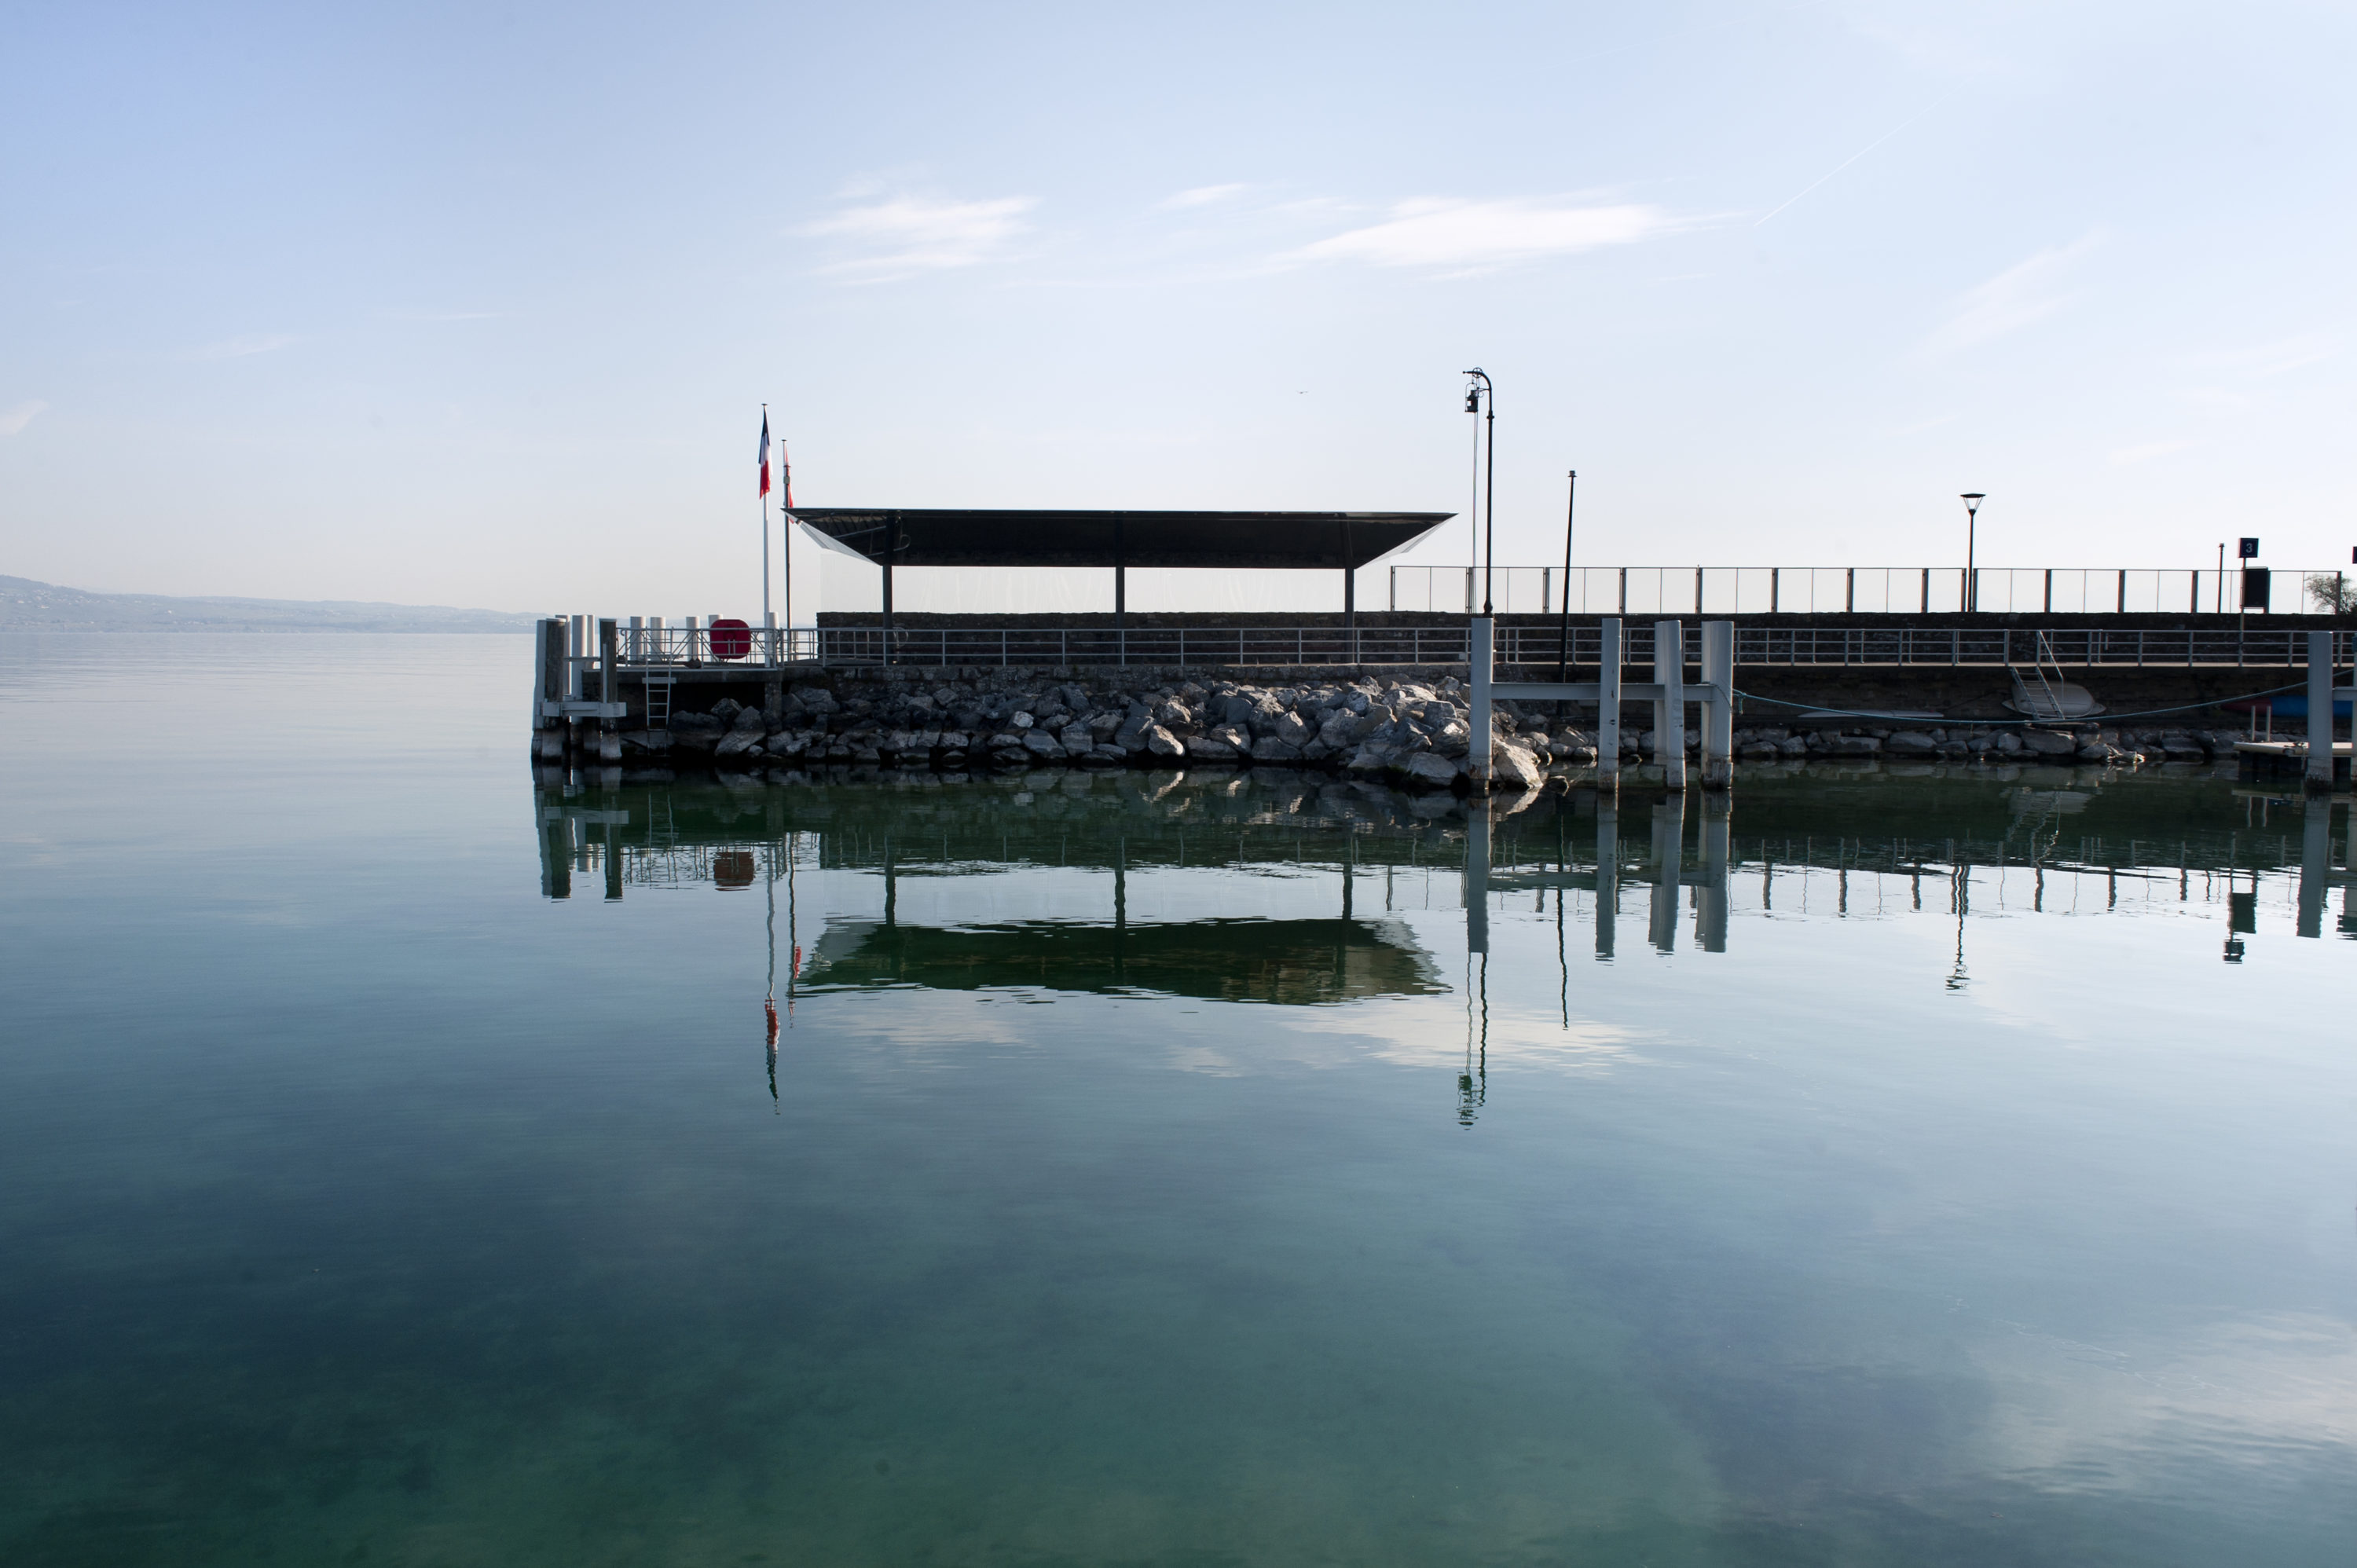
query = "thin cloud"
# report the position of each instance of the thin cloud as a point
(2024, 293)
(447, 315)
(1478, 236)
(1201, 196)
(239, 348)
(14, 420)
(903, 235)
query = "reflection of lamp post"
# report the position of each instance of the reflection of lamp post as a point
(1972, 500)
(1473, 397)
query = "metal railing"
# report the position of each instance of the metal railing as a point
(1855, 590)
(691, 643)
(1142, 645)
(655, 645)
(1754, 646)
(2074, 648)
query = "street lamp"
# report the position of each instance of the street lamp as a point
(1972, 500)
(1473, 398)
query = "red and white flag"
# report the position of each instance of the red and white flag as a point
(765, 451)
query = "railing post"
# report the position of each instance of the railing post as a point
(1849, 590)
(1697, 590)
(1608, 707)
(1926, 607)
(1624, 590)
(1773, 573)
(2124, 593)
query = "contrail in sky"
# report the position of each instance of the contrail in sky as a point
(1855, 156)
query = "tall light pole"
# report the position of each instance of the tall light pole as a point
(1474, 397)
(1972, 500)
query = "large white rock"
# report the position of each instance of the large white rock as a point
(1162, 743)
(1511, 767)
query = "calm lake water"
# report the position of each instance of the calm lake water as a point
(395, 1167)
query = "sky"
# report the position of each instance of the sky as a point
(481, 305)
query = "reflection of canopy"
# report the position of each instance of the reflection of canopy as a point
(1294, 962)
(1301, 541)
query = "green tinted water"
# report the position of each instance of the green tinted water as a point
(1937, 1169)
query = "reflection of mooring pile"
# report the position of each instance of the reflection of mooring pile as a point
(1665, 873)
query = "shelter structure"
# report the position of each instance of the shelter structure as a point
(888, 537)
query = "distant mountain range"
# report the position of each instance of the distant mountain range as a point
(27, 605)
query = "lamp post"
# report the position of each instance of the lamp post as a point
(1972, 500)
(1474, 396)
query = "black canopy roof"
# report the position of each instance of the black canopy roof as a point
(1310, 541)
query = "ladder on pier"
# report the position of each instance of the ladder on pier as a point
(659, 700)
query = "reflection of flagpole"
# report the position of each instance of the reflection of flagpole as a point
(794, 970)
(770, 996)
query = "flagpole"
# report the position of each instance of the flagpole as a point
(786, 541)
(768, 646)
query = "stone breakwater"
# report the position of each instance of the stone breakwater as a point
(1413, 733)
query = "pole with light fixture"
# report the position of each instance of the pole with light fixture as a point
(1480, 641)
(1474, 397)
(1972, 500)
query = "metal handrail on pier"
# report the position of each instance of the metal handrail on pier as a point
(657, 647)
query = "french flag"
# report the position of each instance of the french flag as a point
(765, 451)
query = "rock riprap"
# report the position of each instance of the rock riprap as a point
(1413, 733)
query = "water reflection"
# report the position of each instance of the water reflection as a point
(1837, 845)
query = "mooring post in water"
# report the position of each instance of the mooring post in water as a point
(1479, 657)
(548, 702)
(1717, 705)
(1477, 875)
(1608, 870)
(2320, 715)
(1710, 899)
(609, 692)
(1607, 707)
(1669, 707)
